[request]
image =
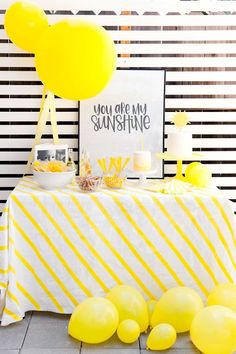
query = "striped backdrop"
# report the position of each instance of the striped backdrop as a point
(198, 51)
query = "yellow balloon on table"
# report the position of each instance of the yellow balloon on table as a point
(25, 23)
(223, 294)
(130, 305)
(75, 59)
(151, 304)
(178, 306)
(128, 331)
(94, 320)
(198, 174)
(161, 337)
(213, 330)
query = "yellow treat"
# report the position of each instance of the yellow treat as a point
(113, 181)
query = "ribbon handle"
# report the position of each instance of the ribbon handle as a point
(47, 108)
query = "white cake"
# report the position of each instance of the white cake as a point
(142, 161)
(179, 143)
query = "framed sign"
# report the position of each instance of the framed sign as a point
(127, 116)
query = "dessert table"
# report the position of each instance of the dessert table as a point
(59, 247)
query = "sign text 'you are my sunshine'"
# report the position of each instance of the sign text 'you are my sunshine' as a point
(122, 117)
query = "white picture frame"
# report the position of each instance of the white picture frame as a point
(138, 93)
(51, 152)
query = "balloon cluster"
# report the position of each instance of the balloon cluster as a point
(212, 329)
(74, 59)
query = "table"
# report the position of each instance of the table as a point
(59, 247)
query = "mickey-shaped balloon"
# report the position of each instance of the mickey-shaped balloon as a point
(74, 59)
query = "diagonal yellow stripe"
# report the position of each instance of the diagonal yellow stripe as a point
(39, 281)
(147, 240)
(226, 219)
(4, 271)
(12, 314)
(88, 244)
(66, 239)
(28, 296)
(3, 228)
(122, 261)
(3, 248)
(204, 236)
(42, 260)
(190, 245)
(3, 285)
(52, 246)
(12, 297)
(215, 225)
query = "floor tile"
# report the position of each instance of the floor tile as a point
(47, 318)
(184, 342)
(97, 350)
(113, 343)
(9, 351)
(173, 351)
(49, 351)
(49, 331)
(12, 336)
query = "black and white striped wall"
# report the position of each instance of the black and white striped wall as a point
(198, 51)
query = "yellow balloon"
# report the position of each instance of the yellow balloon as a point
(25, 23)
(190, 167)
(151, 306)
(128, 331)
(161, 337)
(177, 306)
(130, 305)
(223, 294)
(94, 320)
(75, 59)
(213, 330)
(199, 175)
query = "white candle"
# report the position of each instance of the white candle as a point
(142, 161)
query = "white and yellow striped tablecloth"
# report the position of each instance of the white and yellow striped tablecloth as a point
(58, 247)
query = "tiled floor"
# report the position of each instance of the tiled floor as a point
(46, 333)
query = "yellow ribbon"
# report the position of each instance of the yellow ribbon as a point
(47, 108)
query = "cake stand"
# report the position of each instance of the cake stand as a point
(143, 176)
(168, 157)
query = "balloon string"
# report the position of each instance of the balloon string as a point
(47, 106)
(53, 118)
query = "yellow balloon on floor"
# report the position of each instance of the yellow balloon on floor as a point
(161, 337)
(151, 306)
(75, 59)
(213, 330)
(177, 306)
(128, 331)
(94, 320)
(130, 305)
(223, 294)
(25, 23)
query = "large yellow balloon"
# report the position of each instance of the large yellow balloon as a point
(128, 331)
(75, 59)
(223, 294)
(130, 305)
(94, 320)
(161, 337)
(25, 23)
(213, 330)
(177, 306)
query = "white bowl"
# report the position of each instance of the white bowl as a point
(54, 180)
